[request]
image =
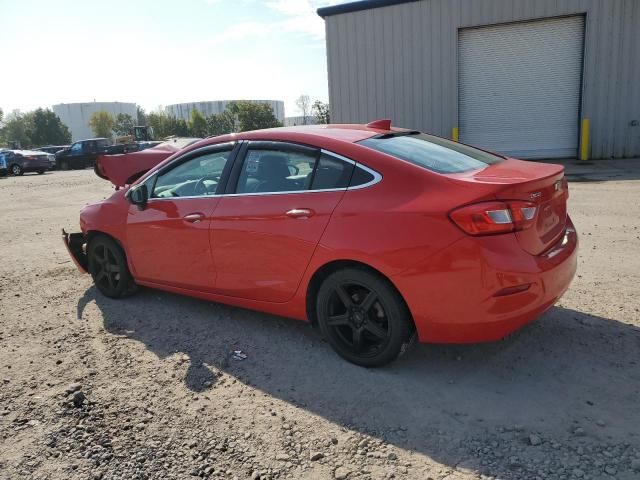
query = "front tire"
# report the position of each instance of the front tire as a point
(17, 170)
(64, 165)
(40, 172)
(108, 268)
(363, 317)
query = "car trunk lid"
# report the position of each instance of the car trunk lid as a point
(542, 184)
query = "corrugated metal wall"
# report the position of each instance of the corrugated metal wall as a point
(400, 62)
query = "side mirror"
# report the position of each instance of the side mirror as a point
(138, 195)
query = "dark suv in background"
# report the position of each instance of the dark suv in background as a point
(81, 154)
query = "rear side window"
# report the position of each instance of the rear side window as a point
(433, 153)
(360, 177)
(331, 173)
(272, 171)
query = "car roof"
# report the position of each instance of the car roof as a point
(29, 152)
(349, 133)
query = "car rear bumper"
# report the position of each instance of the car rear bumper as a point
(489, 288)
(75, 245)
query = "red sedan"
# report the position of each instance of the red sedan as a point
(376, 234)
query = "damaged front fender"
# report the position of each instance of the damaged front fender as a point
(76, 246)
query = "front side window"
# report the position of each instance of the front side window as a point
(433, 153)
(76, 147)
(271, 171)
(196, 177)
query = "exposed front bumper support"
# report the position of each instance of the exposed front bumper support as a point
(75, 243)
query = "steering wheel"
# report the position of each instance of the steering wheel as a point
(200, 188)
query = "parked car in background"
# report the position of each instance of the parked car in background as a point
(52, 148)
(81, 154)
(377, 234)
(126, 168)
(22, 161)
(4, 169)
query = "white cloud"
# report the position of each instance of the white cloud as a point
(301, 15)
(296, 16)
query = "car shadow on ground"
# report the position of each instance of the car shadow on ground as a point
(565, 370)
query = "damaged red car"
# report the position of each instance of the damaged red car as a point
(376, 234)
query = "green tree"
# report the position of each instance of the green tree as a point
(253, 116)
(1, 116)
(303, 102)
(123, 124)
(177, 126)
(321, 111)
(16, 130)
(141, 116)
(221, 123)
(45, 128)
(101, 122)
(158, 121)
(197, 124)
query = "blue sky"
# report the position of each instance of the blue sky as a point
(160, 52)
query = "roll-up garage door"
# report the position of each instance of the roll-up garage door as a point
(519, 87)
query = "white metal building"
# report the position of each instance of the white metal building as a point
(534, 79)
(183, 110)
(76, 115)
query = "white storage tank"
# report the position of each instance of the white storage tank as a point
(76, 115)
(183, 110)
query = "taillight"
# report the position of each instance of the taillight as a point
(490, 218)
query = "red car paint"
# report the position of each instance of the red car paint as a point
(459, 288)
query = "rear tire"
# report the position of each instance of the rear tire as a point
(17, 170)
(363, 317)
(108, 268)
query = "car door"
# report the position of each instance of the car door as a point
(168, 240)
(74, 155)
(265, 229)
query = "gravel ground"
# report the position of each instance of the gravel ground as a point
(145, 388)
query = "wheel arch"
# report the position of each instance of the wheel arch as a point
(91, 234)
(333, 266)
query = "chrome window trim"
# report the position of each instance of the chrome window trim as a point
(377, 177)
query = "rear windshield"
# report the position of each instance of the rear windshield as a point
(433, 153)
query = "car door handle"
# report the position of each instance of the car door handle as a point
(193, 217)
(300, 213)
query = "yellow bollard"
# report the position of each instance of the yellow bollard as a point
(455, 134)
(584, 139)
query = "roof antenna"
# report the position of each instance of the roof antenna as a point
(382, 124)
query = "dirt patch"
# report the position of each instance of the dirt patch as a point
(147, 387)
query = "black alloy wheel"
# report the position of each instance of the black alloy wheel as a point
(363, 317)
(108, 267)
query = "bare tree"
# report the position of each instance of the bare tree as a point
(303, 102)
